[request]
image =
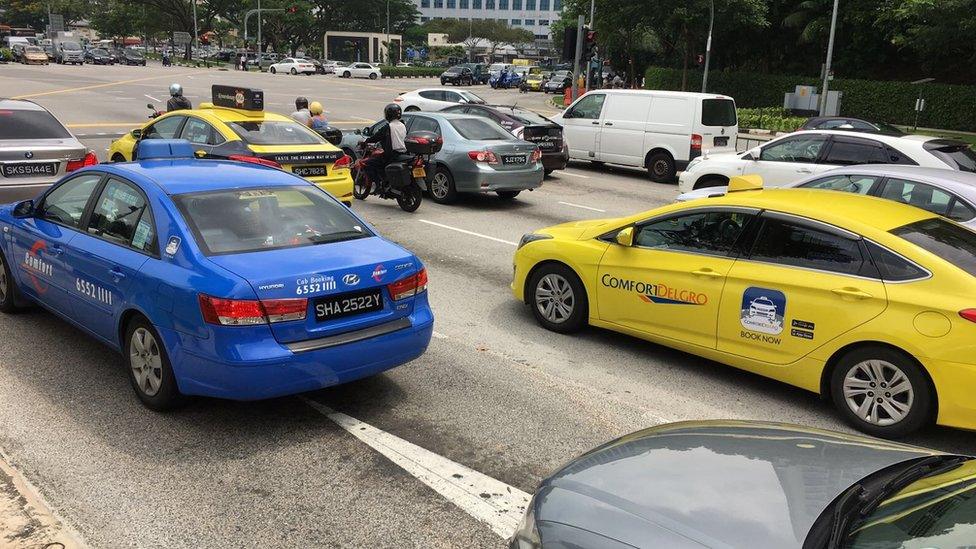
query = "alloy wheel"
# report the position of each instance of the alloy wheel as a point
(440, 186)
(146, 361)
(554, 298)
(878, 392)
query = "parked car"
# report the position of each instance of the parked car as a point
(132, 56)
(480, 71)
(527, 125)
(291, 65)
(403, 64)
(17, 52)
(847, 123)
(68, 51)
(558, 82)
(360, 70)
(661, 131)
(795, 156)
(458, 75)
(319, 69)
(33, 55)
(724, 484)
(35, 150)
(330, 67)
(435, 99)
(49, 51)
(98, 56)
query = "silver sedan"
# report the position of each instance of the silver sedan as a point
(35, 150)
(946, 192)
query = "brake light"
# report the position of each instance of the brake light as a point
(483, 156)
(255, 160)
(397, 99)
(247, 312)
(968, 314)
(410, 286)
(696, 142)
(89, 160)
(536, 155)
(343, 162)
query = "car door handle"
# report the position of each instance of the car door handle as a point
(117, 274)
(595, 122)
(705, 271)
(851, 293)
(804, 170)
(608, 123)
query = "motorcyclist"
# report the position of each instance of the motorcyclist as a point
(301, 115)
(176, 100)
(318, 120)
(392, 137)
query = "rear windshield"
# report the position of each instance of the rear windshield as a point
(529, 117)
(249, 220)
(33, 49)
(478, 129)
(950, 241)
(17, 124)
(274, 132)
(960, 157)
(718, 112)
(70, 46)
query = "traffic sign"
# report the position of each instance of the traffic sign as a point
(181, 38)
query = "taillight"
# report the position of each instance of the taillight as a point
(89, 160)
(343, 162)
(968, 314)
(536, 155)
(483, 156)
(248, 312)
(696, 142)
(397, 99)
(410, 286)
(254, 160)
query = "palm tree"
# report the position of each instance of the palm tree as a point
(812, 17)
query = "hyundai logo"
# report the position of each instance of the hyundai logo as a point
(28, 155)
(350, 279)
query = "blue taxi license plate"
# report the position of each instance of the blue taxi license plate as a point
(348, 304)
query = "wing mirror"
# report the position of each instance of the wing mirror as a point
(625, 237)
(24, 209)
(367, 131)
(754, 154)
(136, 133)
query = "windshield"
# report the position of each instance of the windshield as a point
(17, 124)
(33, 49)
(274, 132)
(99, 52)
(472, 97)
(457, 68)
(718, 112)
(134, 53)
(70, 46)
(249, 220)
(479, 129)
(945, 239)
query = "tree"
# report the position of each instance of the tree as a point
(33, 13)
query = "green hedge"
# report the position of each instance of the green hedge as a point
(947, 106)
(775, 119)
(408, 72)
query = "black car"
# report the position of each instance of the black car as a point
(526, 125)
(49, 51)
(319, 69)
(458, 75)
(558, 82)
(848, 123)
(98, 56)
(130, 56)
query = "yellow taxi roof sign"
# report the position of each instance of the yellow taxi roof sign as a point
(751, 182)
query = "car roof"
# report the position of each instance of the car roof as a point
(19, 105)
(665, 93)
(223, 114)
(443, 115)
(887, 139)
(189, 175)
(943, 176)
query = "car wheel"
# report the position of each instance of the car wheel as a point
(293, 71)
(372, 76)
(442, 189)
(558, 298)
(149, 367)
(8, 288)
(412, 108)
(507, 195)
(711, 181)
(271, 70)
(117, 157)
(882, 392)
(347, 74)
(660, 166)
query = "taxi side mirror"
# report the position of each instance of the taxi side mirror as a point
(755, 153)
(24, 209)
(136, 133)
(625, 237)
(200, 154)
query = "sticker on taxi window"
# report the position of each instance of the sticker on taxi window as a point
(763, 310)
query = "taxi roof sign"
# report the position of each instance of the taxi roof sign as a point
(751, 182)
(237, 97)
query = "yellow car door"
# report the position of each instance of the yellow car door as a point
(802, 284)
(668, 281)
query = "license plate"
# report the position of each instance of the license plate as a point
(546, 144)
(348, 304)
(721, 141)
(309, 171)
(28, 169)
(419, 172)
(513, 159)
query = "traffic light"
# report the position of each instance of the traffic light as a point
(589, 46)
(569, 45)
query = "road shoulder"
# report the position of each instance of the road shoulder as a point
(25, 520)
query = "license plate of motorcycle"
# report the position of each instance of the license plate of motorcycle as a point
(420, 172)
(348, 304)
(309, 171)
(513, 159)
(28, 169)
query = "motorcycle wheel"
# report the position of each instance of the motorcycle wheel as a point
(361, 185)
(410, 198)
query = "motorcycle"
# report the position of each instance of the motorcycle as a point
(505, 80)
(155, 113)
(403, 179)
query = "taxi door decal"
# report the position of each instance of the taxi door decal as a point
(35, 265)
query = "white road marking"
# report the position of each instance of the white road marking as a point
(472, 233)
(581, 206)
(439, 335)
(564, 172)
(490, 501)
(153, 98)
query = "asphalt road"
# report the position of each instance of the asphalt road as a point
(494, 392)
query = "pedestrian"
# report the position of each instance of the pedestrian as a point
(318, 120)
(301, 114)
(618, 82)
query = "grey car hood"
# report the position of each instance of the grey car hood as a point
(713, 484)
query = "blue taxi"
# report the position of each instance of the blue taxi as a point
(215, 278)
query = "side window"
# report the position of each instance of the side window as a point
(896, 157)
(589, 107)
(797, 245)
(66, 203)
(702, 232)
(960, 211)
(460, 109)
(424, 124)
(164, 129)
(453, 97)
(917, 194)
(857, 184)
(117, 213)
(846, 151)
(199, 132)
(891, 265)
(434, 95)
(803, 148)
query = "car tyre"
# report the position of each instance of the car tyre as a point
(442, 188)
(372, 76)
(661, 168)
(117, 157)
(347, 74)
(507, 195)
(9, 293)
(558, 298)
(858, 386)
(149, 368)
(294, 72)
(412, 108)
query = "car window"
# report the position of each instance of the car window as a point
(943, 238)
(462, 109)
(798, 245)
(718, 112)
(65, 204)
(480, 129)
(274, 132)
(917, 194)
(702, 232)
(529, 117)
(846, 152)
(471, 97)
(803, 148)
(199, 132)
(117, 213)
(960, 157)
(893, 266)
(589, 107)
(453, 97)
(165, 128)
(831, 124)
(858, 184)
(24, 124)
(960, 211)
(434, 95)
(424, 124)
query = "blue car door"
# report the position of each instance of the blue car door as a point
(39, 243)
(105, 259)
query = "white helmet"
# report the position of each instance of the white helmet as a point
(175, 90)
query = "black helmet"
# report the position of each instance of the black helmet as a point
(301, 103)
(391, 112)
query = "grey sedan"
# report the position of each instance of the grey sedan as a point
(737, 484)
(946, 192)
(35, 150)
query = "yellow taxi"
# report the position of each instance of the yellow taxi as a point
(235, 126)
(868, 302)
(534, 80)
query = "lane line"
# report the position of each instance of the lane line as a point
(564, 172)
(439, 335)
(153, 98)
(465, 231)
(96, 86)
(104, 124)
(490, 501)
(582, 206)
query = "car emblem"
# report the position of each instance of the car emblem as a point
(723, 131)
(350, 279)
(28, 155)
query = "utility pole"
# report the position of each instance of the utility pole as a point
(589, 62)
(260, 50)
(195, 30)
(830, 54)
(708, 46)
(576, 58)
(388, 60)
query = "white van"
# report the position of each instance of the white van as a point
(661, 131)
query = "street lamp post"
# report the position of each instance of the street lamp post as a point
(388, 32)
(196, 31)
(708, 45)
(589, 62)
(260, 50)
(830, 54)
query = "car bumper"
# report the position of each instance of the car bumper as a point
(686, 181)
(475, 179)
(280, 371)
(954, 382)
(339, 186)
(555, 160)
